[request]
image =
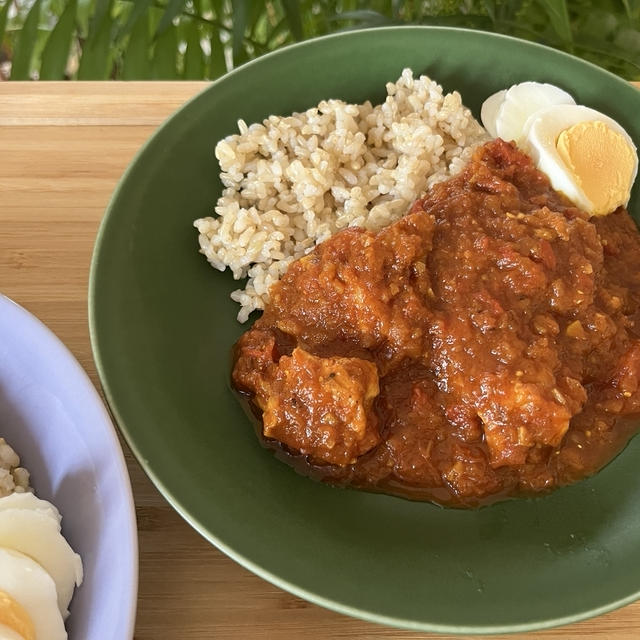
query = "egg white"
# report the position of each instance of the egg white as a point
(38, 536)
(504, 113)
(30, 502)
(489, 111)
(34, 590)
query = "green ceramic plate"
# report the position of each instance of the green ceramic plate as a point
(162, 325)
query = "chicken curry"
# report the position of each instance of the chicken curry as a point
(485, 345)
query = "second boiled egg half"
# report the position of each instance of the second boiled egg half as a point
(586, 155)
(505, 113)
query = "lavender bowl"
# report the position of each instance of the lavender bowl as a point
(54, 418)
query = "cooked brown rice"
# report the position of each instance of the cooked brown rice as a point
(13, 477)
(292, 182)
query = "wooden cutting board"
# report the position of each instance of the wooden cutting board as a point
(63, 146)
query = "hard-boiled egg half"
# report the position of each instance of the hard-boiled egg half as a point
(28, 600)
(586, 155)
(38, 570)
(505, 113)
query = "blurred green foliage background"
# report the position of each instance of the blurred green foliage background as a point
(202, 39)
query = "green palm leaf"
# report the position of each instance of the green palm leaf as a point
(163, 61)
(99, 12)
(193, 56)
(140, 7)
(218, 64)
(96, 58)
(21, 64)
(632, 8)
(240, 14)
(218, 7)
(292, 9)
(174, 7)
(3, 19)
(559, 18)
(135, 62)
(56, 51)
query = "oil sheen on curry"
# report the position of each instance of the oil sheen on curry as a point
(485, 345)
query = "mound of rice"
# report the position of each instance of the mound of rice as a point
(292, 182)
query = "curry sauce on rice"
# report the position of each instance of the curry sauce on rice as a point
(292, 182)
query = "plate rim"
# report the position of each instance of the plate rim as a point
(83, 380)
(192, 519)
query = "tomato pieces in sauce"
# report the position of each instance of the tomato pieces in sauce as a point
(486, 345)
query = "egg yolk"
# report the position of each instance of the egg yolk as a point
(601, 163)
(13, 615)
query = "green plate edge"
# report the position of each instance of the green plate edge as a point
(175, 501)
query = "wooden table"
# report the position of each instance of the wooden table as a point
(63, 146)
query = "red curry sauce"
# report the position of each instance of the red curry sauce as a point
(485, 345)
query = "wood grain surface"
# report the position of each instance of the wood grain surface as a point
(63, 147)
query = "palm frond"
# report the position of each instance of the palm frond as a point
(126, 39)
